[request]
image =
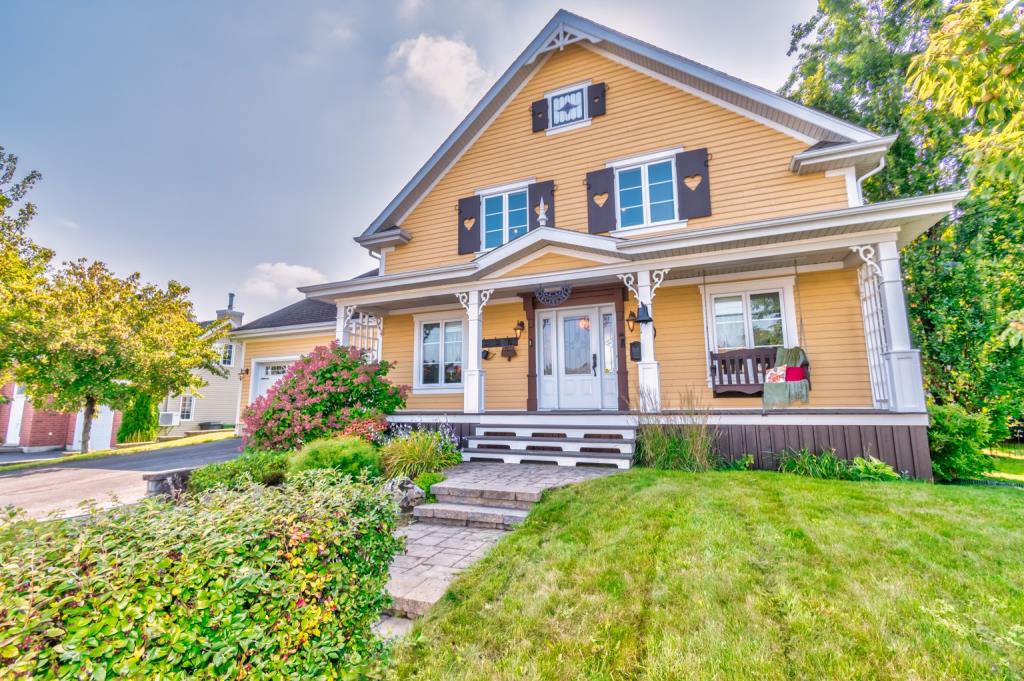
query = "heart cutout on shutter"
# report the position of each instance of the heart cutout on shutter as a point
(692, 181)
(601, 199)
(468, 223)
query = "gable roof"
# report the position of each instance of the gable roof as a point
(566, 28)
(306, 311)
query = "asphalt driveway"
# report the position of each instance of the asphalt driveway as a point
(61, 488)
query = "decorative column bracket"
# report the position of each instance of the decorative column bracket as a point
(485, 297)
(870, 259)
(630, 282)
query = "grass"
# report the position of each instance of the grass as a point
(671, 575)
(126, 451)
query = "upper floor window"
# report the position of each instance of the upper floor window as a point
(748, 320)
(646, 193)
(227, 356)
(567, 106)
(505, 217)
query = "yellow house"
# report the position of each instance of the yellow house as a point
(616, 230)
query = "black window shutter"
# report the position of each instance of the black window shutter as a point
(539, 109)
(601, 201)
(595, 93)
(469, 225)
(692, 184)
(535, 192)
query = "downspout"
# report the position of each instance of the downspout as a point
(860, 182)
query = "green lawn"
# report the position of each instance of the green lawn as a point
(653, 575)
(1008, 468)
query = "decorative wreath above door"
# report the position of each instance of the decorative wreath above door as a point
(550, 296)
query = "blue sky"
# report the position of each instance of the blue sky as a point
(239, 146)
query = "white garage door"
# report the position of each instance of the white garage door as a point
(102, 430)
(268, 374)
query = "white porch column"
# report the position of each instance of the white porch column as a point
(473, 375)
(643, 288)
(902, 359)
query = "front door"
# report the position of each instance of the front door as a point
(16, 415)
(579, 383)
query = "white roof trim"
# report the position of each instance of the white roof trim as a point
(281, 330)
(565, 23)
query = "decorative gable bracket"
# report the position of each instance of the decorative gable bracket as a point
(561, 38)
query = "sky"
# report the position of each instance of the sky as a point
(239, 146)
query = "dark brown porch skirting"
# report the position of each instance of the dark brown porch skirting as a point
(905, 448)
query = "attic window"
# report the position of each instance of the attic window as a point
(567, 107)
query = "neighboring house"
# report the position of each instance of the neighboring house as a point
(616, 229)
(220, 397)
(25, 428)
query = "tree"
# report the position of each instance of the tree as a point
(965, 276)
(974, 65)
(141, 421)
(23, 264)
(100, 339)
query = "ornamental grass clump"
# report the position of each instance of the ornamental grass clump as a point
(318, 397)
(265, 582)
(410, 453)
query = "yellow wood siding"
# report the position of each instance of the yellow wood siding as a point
(832, 333)
(505, 383)
(280, 346)
(749, 169)
(551, 262)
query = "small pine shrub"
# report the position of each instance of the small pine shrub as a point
(414, 452)
(957, 438)
(427, 480)
(871, 469)
(349, 455)
(141, 421)
(265, 468)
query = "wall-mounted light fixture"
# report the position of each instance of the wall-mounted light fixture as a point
(631, 321)
(519, 328)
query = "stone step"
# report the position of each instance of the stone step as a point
(520, 456)
(469, 515)
(558, 444)
(565, 431)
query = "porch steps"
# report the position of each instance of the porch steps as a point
(470, 515)
(569, 445)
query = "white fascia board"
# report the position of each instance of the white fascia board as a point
(806, 161)
(545, 236)
(285, 330)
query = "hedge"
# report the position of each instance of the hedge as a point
(264, 582)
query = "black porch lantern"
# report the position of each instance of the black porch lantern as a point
(631, 321)
(519, 328)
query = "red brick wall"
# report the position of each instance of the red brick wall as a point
(45, 428)
(7, 391)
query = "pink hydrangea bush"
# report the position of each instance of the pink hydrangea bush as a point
(373, 429)
(320, 396)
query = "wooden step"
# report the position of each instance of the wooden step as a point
(563, 431)
(558, 458)
(469, 515)
(554, 444)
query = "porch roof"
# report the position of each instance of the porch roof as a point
(803, 240)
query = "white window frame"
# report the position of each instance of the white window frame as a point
(575, 125)
(641, 161)
(418, 387)
(191, 400)
(223, 348)
(503, 192)
(783, 285)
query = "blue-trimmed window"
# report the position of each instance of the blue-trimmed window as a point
(505, 218)
(646, 194)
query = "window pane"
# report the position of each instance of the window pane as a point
(431, 353)
(659, 172)
(432, 333)
(765, 305)
(767, 332)
(630, 198)
(629, 178)
(729, 306)
(661, 192)
(430, 374)
(545, 346)
(576, 340)
(453, 342)
(517, 201)
(453, 372)
(608, 342)
(663, 211)
(730, 335)
(494, 204)
(632, 217)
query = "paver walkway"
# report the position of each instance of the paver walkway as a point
(436, 551)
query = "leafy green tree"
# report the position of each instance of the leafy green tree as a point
(141, 421)
(965, 276)
(974, 65)
(101, 339)
(23, 264)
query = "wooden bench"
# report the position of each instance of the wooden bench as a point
(742, 372)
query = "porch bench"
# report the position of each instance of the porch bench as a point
(736, 373)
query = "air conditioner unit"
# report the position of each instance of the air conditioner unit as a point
(169, 418)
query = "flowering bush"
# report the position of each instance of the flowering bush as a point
(372, 430)
(266, 582)
(319, 396)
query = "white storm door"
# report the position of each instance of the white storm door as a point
(16, 415)
(579, 383)
(102, 431)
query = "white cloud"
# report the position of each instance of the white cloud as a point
(445, 68)
(275, 283)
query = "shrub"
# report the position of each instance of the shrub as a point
(141, 421)
(744, 463)
(265, 468)
(371, 429)
(348, 455)
(871, 469)
(825, 465)
(684, 441)
(281, 582)
(427, 480)
(411, 453)
(318, 396)
(956, 438)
